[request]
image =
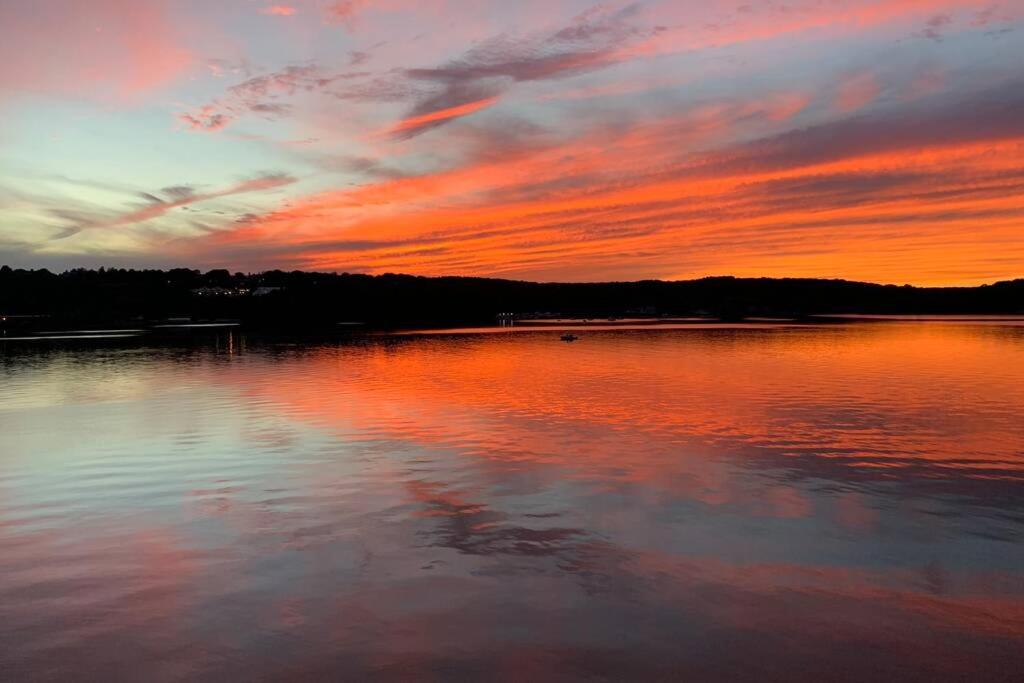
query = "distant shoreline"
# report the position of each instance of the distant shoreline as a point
(33, 301)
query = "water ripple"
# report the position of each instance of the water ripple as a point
(843, 502)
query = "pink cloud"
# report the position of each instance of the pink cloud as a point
(94, 49)
(206, 118)
(928, 82)
(344, 11)
(856, 92)
(258, 95)
(279, 10)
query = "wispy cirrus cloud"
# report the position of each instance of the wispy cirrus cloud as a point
(261, 95)
(174, 197)
(859, 193)
(205, 118)
(477, 79)
(594, 40)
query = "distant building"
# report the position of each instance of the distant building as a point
(263, 291)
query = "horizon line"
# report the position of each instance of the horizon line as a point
(336, 273)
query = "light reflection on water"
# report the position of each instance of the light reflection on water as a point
(783, 503)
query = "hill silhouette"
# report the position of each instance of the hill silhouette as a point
(275, 299)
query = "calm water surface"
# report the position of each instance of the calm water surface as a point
(773, 503)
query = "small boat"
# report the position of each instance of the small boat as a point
(570, 337)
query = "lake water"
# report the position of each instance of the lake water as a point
(839, 502)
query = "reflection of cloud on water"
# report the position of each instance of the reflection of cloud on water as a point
(636, 507)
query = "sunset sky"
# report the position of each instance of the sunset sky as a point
(876, 140)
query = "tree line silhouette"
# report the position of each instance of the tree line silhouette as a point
(308, 299)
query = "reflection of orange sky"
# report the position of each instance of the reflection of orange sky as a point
(659, 410)
(776, 387)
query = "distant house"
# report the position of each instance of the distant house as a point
(263, 291)
(219, 291)
(643, 310)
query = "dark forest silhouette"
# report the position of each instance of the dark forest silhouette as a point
(276, 299)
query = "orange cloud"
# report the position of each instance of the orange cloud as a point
(876, 197)
(415, 123)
